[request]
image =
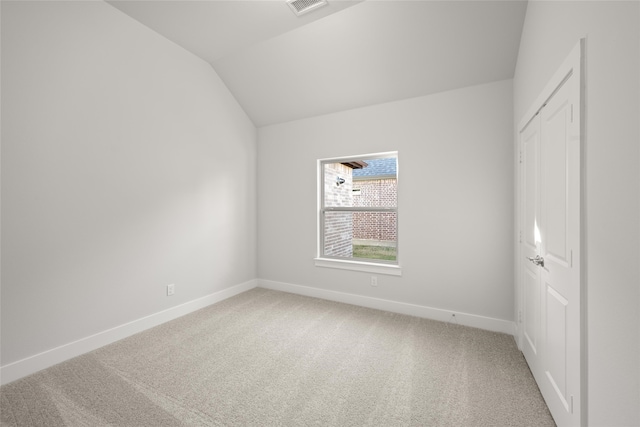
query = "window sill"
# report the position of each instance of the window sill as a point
(368, 267)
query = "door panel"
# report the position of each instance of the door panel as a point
(559, 229)
(531, 312)
(556, 122)
(556, 341)
(530, 150)
(530, 190)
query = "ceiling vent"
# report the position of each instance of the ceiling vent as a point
(300, 7)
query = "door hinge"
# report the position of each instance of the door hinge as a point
(571, 113)
(571, 404)
(520, 236)
(519, 316)
(520, 159)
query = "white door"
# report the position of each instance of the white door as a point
(550, 251)
(530, 243)
(560, 240)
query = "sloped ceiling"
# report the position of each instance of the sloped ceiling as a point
(349, 54)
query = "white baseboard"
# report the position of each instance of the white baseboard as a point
(32, 364)
(475, 321)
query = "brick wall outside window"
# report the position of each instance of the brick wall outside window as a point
(375, 225)
(338, 226)
(341, 228)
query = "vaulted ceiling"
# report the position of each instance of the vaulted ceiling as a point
(349, 54)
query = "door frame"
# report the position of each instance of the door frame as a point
(572, 65)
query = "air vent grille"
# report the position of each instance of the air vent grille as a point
(301, 7)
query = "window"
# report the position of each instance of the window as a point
(358, 213)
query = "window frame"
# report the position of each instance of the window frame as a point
(358, 264)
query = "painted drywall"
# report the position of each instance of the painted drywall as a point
(455, 198)
(126, 166)
(612, 167)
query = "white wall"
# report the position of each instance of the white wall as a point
(455, 198)
(126, 166)
(612, 168)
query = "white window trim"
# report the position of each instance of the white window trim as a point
(367, 267)
(357, 264)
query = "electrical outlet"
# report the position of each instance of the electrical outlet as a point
(374, 280)
(171, 289)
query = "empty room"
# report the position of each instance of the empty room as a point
(320, 212)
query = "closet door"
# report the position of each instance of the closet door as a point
(530, 243)
(549, 275)
(559, 247)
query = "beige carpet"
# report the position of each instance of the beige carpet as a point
(266, 358)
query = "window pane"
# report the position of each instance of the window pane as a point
(338, 234)
(375, 227)
(361, 183)
(366, 235)
(376, 183)
(338, 184)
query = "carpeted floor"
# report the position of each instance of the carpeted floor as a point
(266, 358)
